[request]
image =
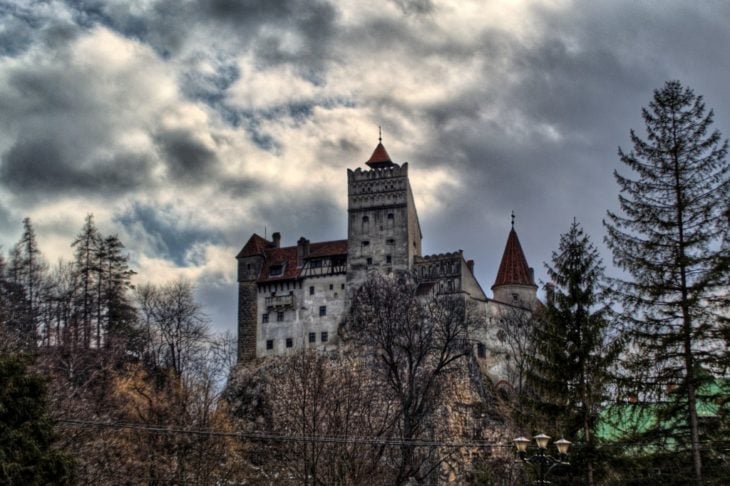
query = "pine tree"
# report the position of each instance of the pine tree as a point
(87, 245)
(27, 271)
(668, 239)
(26, 429)
(115, 277)
(569, 377)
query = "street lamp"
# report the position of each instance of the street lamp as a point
(542, 462)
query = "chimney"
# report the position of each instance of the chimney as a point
(532, 274)
(302, 250)
(470, 265)
(277, 239)
(549, 292)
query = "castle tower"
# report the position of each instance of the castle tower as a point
(250, 261)
(383, 232)
(515, 283)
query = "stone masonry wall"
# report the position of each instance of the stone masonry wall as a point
(247, 295)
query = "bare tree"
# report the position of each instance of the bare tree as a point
(175, 326)
(414, 341)
(516, 333)
(323, 405)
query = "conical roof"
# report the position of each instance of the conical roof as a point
(380, 157)
(513, 270)
(254, 246)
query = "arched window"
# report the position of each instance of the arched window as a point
(365, 224)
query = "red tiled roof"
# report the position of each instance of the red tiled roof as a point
(327, 248)
(254, 246)
(288, 257)
(380, 157)
(513, 270)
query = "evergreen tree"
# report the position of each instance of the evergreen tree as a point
(26, 430)
(27, 271)
(115, 283)
(668, 238)
(87, 246)
(569, 377)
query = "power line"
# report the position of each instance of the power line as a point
(261, 436)
(274, 437)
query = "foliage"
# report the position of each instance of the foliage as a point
(27, 455)
(569, 376)
(670, 238)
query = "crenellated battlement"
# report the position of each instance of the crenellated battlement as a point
(395, 170)
(440, 256)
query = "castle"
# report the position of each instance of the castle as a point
(296, 296)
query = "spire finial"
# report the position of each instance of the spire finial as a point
(513, 220)
(380, 134)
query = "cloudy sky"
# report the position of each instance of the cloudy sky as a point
(186, 125)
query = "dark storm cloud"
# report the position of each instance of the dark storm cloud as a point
(310, 214)
(187, 159)
(170, 25)
(40, 168)
(171, 239)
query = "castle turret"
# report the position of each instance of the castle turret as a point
(383, 231)
(515, 282)
(250, 261)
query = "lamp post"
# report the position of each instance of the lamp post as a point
(542, 462)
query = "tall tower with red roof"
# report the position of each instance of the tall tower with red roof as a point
(383, 232)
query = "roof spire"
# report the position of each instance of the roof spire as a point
(380, 158)
(513, 269)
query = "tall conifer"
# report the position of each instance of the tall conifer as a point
(668, 238)
(569, 377)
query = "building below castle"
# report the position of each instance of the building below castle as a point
(293, 297)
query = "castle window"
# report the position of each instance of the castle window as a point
(289, 342)
(332, 286)
(342, 286)
(390, 241)
(312, 337)
(481, 350)
(311, 290)
(391, 220)
(280, 316)
(269, 344)
(365, 224)
(388, 259)
(369, 261)
(366, 243)
(276, 270)
(315, 263)
(322, 310)
(264, 318)
(324, 336)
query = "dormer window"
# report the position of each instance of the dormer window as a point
(276, 270)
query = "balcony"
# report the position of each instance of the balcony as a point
(279, 302)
